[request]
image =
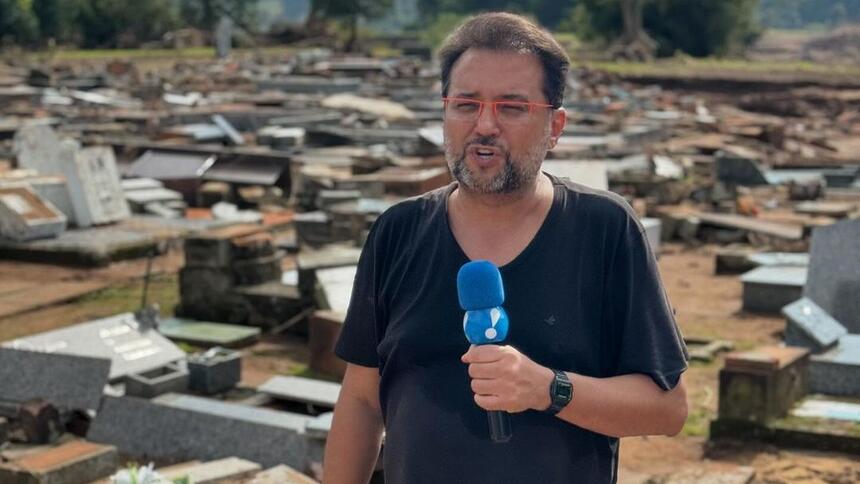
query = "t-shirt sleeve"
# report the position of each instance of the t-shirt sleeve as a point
(358, 337)
(645, 335)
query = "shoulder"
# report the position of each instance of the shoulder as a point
(412, 214)
(600, 206)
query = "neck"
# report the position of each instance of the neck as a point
(500, 206)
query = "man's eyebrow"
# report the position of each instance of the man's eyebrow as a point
(515, 97)
(469, 94)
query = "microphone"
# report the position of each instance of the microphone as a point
(481, 294)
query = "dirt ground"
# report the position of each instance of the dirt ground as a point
(707, 306)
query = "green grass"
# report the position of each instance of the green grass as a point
(692, 66)
(126, 297)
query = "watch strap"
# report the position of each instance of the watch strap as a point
(560, 392)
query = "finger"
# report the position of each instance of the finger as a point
(488, 402)
(483, 354)
(484, 370)
(484, 387)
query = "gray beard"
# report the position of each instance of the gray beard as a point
(511, 179)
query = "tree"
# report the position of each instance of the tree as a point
(349, 10)
(18, 25)
(700, 28)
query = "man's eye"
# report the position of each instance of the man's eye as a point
(513, 108)
(466, 107)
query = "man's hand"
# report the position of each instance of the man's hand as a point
(505, 379)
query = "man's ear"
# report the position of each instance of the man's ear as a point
(559, 119)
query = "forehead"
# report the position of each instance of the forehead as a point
(493, 73)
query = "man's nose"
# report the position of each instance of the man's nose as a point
(487, 124)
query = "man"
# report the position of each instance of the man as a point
(588, 315)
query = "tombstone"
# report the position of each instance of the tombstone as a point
(809, 326)
(224, 37)
(589, 173)
(94, 184)
(837, 370)
(762, 384)
(74, 461)
(653, 228)
(318, 393)
(70, 382)
(324, 330)
(24, 215)
(735, 169)
(184, 427)
(37, 148)
(336, 284)
(779, 259)
(131, 347)
(232, 135)
(828, 409)
(769, 289)
(834, 272)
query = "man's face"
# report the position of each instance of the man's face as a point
(497, 154)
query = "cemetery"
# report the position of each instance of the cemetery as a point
(178, 247)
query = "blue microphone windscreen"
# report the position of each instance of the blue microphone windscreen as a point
(479, 286)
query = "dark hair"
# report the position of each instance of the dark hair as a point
(506, 31)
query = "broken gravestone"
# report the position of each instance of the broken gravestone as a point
(24, 215)
(834, 272)
(809, 326)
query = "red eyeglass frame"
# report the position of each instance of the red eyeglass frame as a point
(495, 104)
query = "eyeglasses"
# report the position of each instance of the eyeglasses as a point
(506, 112)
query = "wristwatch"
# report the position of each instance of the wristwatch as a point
(560, 392)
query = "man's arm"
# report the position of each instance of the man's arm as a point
(620, 406)
(353, 444)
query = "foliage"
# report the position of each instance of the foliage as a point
(444, 24)
(547, 12)
(204, 14)
(701, 28)
(794, 14)
(17, 22)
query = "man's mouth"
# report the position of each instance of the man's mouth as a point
(484, 155)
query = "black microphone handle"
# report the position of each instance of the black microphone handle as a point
(500, 426)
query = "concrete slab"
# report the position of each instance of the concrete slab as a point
(810, 326)
(70, 382)
(281, 475)
(304, 390)
(130, 347)
(216, 471)
(208, 334)
(201, 428)
(837, 371)
(829, 409)
(834, 272)
(793, 259)
(589, 173)
(767, 289)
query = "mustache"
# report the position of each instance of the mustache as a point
(484, 141)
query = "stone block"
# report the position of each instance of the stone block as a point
(214, 371)
(281, 474)
(834, 272)
(24, 215)
(70, 382)
(792, 259)
(170, 378)
(318, 393)
(837, 371)
(732, 260)
(323, 332)
(200, 428)
(69, 463)
(762, 384)
(809, 326)
(257, 271)
(230, 469)
(94, 184)
(130, 346)
(769, 289)
(336, 287)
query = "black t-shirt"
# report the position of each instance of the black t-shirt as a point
(584, 296)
